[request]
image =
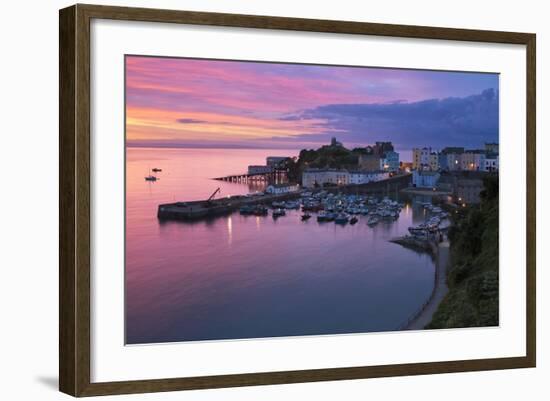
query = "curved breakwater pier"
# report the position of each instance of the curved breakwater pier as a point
(203, 209)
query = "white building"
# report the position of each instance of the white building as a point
(357, 177)
(421, 158)
(434, 161)
(472, 160)
(364, 177)
(373, 176)
(390, 161)
(491, 163)
(318, 177)
(312, 178)
(425, 179)
(450, 159)
(277, 189)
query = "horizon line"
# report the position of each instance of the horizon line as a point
(129, 144)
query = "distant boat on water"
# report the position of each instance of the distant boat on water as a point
(150, 177)
(157, 170)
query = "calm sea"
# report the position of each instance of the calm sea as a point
(245, 276)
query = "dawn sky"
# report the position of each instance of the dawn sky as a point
(204, 103)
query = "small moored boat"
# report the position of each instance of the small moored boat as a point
(322, 217)
(278, 213)
(260, 211)
(246, 210)
(292, 205)
(372, 221)
(325, 216)
(342, 218)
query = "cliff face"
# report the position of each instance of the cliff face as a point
(472, 300)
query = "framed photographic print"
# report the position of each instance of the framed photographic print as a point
(251, 200)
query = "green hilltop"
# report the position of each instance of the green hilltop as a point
(327, 156)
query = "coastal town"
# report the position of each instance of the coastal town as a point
(341, 186)
(452, 170)
(454, 174)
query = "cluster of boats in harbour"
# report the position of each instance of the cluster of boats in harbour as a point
(343, 209)
(330, 207)
(435, 219)
(279, 209)
(256, 210)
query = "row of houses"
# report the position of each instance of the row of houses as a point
(456, 159)
(315, 177)
(464, 186)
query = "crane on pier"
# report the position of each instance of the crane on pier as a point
(209, 200)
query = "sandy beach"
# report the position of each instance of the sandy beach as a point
(425, 315)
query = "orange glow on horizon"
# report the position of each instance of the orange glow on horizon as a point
(141, 122)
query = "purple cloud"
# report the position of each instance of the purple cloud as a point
(190, 121)
(468, 121)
